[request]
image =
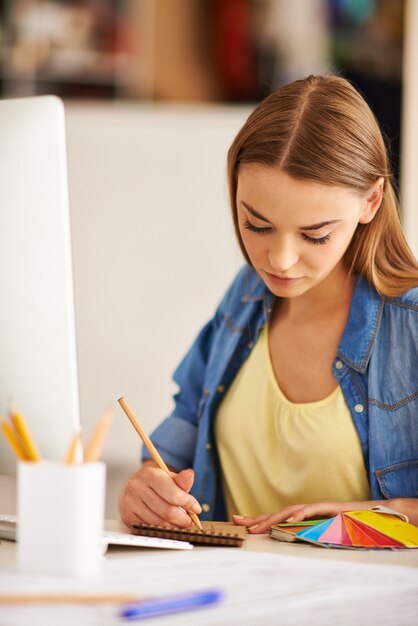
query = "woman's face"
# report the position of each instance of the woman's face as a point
(296, 232)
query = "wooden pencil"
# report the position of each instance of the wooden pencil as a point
(152, 450)
(75, 450)
(94, 446)
(51, 598)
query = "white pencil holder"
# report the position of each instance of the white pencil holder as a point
(60, 517)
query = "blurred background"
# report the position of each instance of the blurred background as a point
(202, 50)
(155, 91)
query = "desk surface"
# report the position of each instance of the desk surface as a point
(263, 581)
(263, 543)
(254, 543)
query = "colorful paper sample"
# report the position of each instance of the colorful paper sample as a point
(355, 529)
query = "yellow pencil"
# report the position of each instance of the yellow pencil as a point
(95, 444)
(13, 441)
(22, 429)
(152, 450)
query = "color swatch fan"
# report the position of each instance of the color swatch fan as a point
(379, 528)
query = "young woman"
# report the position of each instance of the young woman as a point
(300, 397)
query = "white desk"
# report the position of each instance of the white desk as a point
(266, 582)
(263, 543)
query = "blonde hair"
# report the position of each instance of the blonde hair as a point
(321, 129)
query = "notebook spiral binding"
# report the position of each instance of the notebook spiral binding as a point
(195, 536)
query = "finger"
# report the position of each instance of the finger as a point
(172, 496)
(248, 521)
(172, 493)
(252, 520)
(171, 516)
(134, 511)
(144, 515)
(300, 512)
(184, 479)
(174, 515)
(315, 510)
(150, 508)
(263, 525)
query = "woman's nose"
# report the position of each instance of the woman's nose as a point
(282, 256)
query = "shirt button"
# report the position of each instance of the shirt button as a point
(359, 408)
(205, 507)
(221, 388)
(208, 446)
(339, 365)
(250, 345)
(206, 391)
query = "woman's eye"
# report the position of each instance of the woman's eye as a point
(317, 240)
(256, 229)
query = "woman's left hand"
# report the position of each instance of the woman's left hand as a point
(298, 512)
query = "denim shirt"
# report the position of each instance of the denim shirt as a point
(376, 366)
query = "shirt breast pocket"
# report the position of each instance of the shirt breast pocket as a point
(399, 480)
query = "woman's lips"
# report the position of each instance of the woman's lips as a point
(283, 280)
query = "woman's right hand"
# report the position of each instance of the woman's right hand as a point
(152, 497)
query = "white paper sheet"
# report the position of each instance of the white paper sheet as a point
(260, 588)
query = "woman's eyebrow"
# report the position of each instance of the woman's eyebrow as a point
(254, 213)
(259, 216)
(319, 225)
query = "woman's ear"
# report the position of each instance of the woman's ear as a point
(372, 202)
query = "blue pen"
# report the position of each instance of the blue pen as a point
(172, 604)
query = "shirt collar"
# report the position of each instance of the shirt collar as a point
(255, 288)
(363, 323)
(257, 291)
(359, 336)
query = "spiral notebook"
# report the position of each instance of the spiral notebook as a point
(213, 534)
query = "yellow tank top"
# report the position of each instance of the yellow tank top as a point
(274, 452)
